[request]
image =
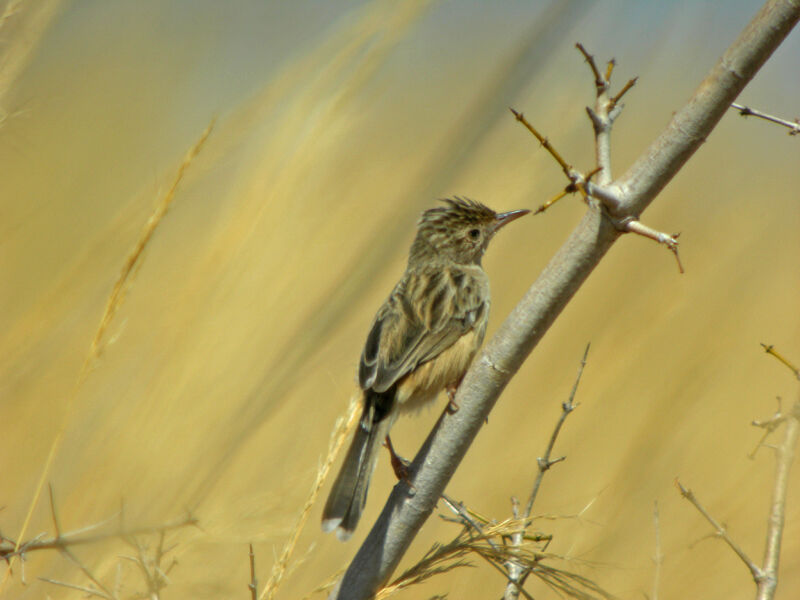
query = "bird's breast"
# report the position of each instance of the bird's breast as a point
(425, 382)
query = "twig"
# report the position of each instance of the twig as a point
(746, 111)
(670, 241)
(80, 588)
(459, 509)
(544, 463)
(777, 514)
(544, 142)
(769, 426)
(341, 431)
(64, 549)
(155, 576)
(465, 517)
(516, 572)
(570, 189)
(625, 88)
(599, 81)
(766, 577)
(106, 593)
(770, 349)
(9, 548)
(658, 559)
(253, 585)
(605, 112)
(720, 530)
(602, 115)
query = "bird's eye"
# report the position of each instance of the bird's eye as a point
(474, 233)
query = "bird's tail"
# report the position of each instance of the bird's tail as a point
(349, 493)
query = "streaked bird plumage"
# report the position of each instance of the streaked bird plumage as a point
(422, 339)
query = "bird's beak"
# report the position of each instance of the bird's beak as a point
(506, 218)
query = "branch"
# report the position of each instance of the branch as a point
(516, 571)
(440, 455)
(770, 349)
(765, 577)
(605, 112)
(746, 111)
(777, 513)
(9, 549)
(545, 463)
(658, 558)
(253, 585)
(755, 570)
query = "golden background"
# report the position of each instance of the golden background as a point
(236, 347)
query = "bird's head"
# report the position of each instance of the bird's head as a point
(459, 231)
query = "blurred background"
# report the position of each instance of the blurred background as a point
(235, 350)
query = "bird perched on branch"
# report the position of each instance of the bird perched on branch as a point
(422, 340)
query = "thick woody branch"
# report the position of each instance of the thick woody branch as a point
(693, 123)
(437, 460)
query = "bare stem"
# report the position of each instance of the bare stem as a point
(599, 81)
(516, 572)
(544, 463)
(9, 549)
(720, 530)
(658, 559)
(543, 141)
(625, 88)
(746, 111)
(777, 514)
(770, 349)
(253, 585)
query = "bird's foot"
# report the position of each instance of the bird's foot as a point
(399, 465)
(452, 405)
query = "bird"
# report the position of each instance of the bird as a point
(422, 340)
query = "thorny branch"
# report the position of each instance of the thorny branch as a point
(605, 111)
(155, 576)
(517, 572)
(766, 576)
(719, 529)
(8, 547)
(441, 559)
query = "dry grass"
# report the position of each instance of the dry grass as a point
(492, 547)
(341, 432)
(115, 301)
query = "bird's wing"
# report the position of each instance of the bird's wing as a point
(425, 314)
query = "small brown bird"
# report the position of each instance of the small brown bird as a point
(422, 340)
